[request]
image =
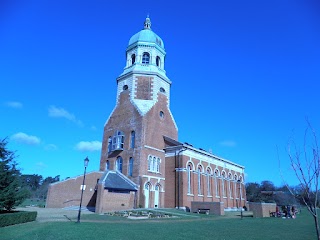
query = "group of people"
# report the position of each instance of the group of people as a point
(287, 211)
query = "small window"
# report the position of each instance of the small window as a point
(133, 138)
(133, 59)
(158, 61)
(130, 167)
(109, 144)
(119, 164)
(145, 58)
(162, 90)
(107, 165)
(125, 87)
(161, 114)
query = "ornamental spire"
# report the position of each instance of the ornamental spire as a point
(147, 23)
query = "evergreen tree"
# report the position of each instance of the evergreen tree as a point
(11, 193)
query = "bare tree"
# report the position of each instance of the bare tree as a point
(306, 167)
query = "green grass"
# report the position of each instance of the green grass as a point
(191, 226)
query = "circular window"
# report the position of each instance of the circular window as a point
(161, 114)
(125, 87)
(162, 90)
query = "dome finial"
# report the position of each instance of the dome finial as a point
(147, 23)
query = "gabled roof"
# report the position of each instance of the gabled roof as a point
(118, 181)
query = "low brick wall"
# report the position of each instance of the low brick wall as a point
(216, 208)
(262, 209)
(68, 192)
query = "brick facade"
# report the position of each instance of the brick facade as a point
(140, 139)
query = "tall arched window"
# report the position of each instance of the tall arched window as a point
(107, 165)
(145, 58)
(158, 61)
(149, 163)
(189, 169)
(130, 170)
(235, 186)
(158, 165)
(223, 179)
(133, 59)
(230, 185)
(119, 164)
(217, 175)
(199, 180)
(209, 181)
(154, 164)
(133, 139)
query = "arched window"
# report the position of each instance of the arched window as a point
(199, 180)
(235, 185)
(154, 164)
(209, 181)
(107, 165)
(119, 164)
(145, 58)
(230, 185)
(109, 144)
(223, 180)
(147, 186)
(149, 163)
(189, 169)
(158, 165)
(217, 184)
(133, 138)
(133, 59)
(130, 170)
(158, 61)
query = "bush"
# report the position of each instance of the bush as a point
(12, 218)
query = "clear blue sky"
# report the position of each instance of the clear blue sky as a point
(244, 74)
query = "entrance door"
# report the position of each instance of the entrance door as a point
(156, 196)
(146, 195)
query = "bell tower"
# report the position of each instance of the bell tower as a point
(133, 138)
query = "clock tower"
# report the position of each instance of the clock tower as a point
(134, 134)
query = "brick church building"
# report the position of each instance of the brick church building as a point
(143, 164)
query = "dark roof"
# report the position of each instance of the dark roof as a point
(116, 180)
(171, 141)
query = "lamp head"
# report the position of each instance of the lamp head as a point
(86, 161)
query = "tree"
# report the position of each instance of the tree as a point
(306, 166)
(11, 193)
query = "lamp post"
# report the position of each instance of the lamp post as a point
(86, 161)
(240, 193)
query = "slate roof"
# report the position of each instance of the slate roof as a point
(118, 181)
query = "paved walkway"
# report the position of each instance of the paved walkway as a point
(55, 214)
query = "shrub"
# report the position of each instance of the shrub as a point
(12, 218)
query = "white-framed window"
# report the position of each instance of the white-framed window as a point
(154, 164)
(230, 185)
(133, 59)
(217, 184)
(209, 172)
(158, 61)
(116, 142)
(189, 170)
(199, 180)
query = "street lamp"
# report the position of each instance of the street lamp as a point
(86, 161)
(240, 193)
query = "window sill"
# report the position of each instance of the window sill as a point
(190, 194)
(209, 196)
(200, 195)
(217, 196)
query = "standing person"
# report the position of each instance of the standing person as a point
(293, 212)
(288, 211)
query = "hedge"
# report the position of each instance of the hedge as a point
(13, 218)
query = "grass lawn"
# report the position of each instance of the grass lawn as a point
(190, 226)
